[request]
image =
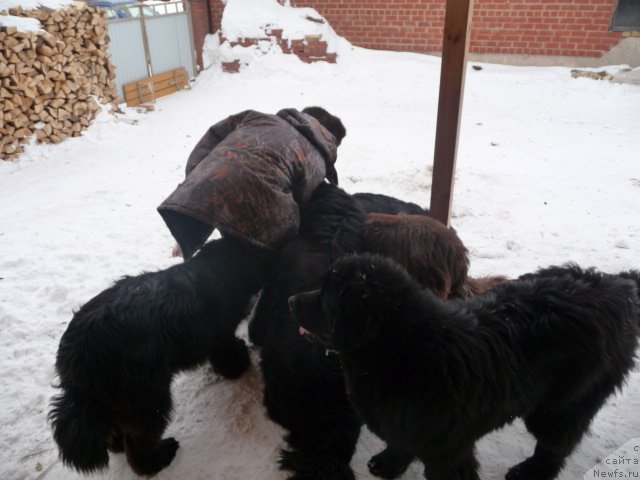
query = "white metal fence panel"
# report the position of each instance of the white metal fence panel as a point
(170, 42)
(127, 52)
(150, 38)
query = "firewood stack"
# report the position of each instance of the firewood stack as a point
(51, 81)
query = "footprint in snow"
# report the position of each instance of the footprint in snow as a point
(621, 244)
(18, 262)
(57, 293)
(487, 254)
(513, 246)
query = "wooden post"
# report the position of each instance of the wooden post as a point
(457, 24)
(145, 40)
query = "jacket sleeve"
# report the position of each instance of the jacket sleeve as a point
(213, 137)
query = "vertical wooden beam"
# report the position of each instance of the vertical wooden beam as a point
(457, 25)
(145, 40)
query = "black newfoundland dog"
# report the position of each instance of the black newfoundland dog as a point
(121, 350)
(304, 389)
(331, 226)
(378, 203)
(431, 376)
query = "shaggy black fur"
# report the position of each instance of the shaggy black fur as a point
(304, 391)
(330, 227)
(120, 352)
(431, 376)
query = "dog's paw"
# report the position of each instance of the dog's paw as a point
(388, 464)
(167, 451)
(515, 473)
(532, 469)
(146, 460)
(232, 361)
(314, 467)
(344, 473)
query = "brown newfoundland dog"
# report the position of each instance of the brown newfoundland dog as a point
(433, 254)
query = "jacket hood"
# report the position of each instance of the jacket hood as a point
(318, 136)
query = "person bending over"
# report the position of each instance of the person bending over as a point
(249, 175)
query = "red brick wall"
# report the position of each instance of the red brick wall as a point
(385, 24)
(200, 25)
(537, 27)
(217, 7)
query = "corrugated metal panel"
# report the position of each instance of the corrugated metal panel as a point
(127, 52)
(168, 39)
(169, 42)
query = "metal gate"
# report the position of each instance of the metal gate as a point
(150, 38)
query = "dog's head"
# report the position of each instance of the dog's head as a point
(362, 298)
(432, 253)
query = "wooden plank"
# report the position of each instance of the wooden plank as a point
(149, 98)
(163, 84)
(131, 86)
(134, 89)
(457, 24)
(178, 82)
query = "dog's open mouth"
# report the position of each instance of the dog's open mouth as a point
(304, 331)
(304, 308)
(309, 335)
(317, 339)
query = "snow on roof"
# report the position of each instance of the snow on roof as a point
(254, 18)
(30, 4)
(21, 23)
(27, 24)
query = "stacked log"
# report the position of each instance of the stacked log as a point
(52, 80)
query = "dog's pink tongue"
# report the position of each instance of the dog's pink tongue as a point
(303, 331)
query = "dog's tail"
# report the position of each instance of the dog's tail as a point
(81, 431)
(476, 286)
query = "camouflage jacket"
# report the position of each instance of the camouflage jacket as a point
(247, 177)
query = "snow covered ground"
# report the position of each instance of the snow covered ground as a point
(548, 171)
